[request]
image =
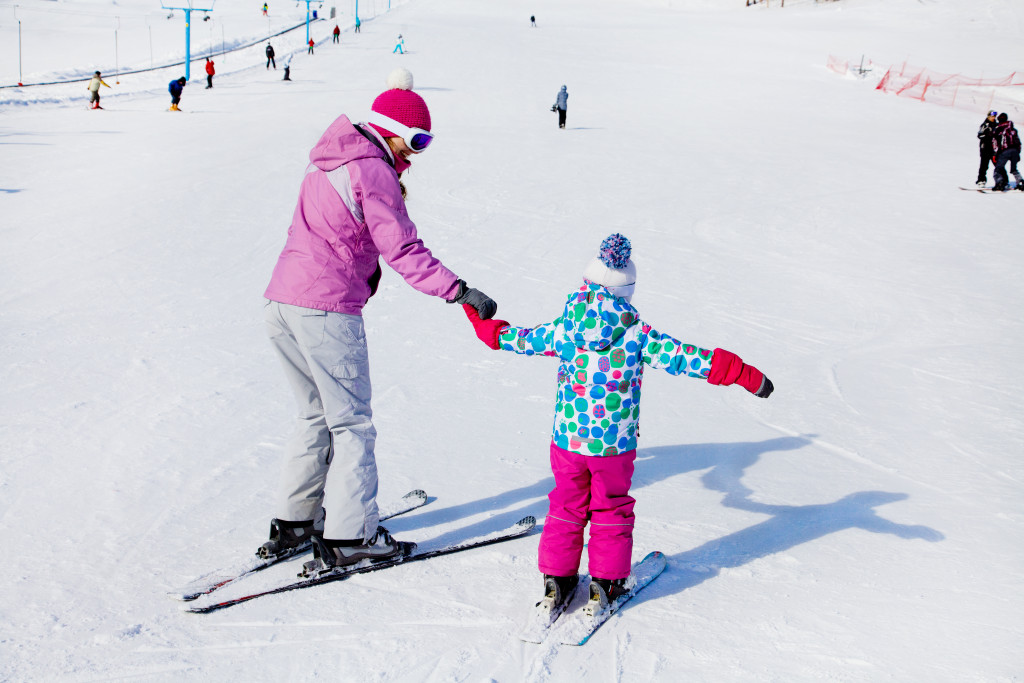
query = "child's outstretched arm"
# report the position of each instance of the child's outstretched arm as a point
(499, 334)
(718, 367)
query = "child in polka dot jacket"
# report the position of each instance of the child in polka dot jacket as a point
(603, 347)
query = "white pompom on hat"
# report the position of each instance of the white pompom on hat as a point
(400, 78)
(612, 267)
(399, 103)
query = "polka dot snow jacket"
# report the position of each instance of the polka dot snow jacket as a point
(603, 347)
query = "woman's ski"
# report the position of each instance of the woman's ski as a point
(208, 583)
(520, 528)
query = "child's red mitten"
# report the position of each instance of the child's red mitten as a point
(487, 331)
(728, 368)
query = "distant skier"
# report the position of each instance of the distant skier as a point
(265, 8)
(209, 73)
(337, 34)
(1006, 145)
(985, 133)
(270, 56)
(561, 105)
(358, 24)
(350, 219)
(311, 46)
(175, 88)
(533, 21)
(399, 46)
(594, 440)
(94, 90)
(287, 67)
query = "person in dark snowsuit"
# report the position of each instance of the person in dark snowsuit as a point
(562, 105)
(175, 88)
(603, 348)
(985, 133)
(1006, 146)
(270, 56)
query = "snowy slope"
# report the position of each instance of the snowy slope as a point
(863, 524)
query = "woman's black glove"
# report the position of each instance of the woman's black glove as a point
(484, 305)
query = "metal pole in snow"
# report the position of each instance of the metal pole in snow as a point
(188, 43)
(19, 51)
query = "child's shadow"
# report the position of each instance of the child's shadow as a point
(789, 525)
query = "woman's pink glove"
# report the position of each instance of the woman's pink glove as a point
(728, 368)
(487, 331)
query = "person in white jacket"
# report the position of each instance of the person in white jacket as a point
(94, 90)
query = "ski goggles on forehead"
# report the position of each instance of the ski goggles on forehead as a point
(416, 138)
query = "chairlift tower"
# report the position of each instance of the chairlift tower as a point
(189, 7)
(320, 3)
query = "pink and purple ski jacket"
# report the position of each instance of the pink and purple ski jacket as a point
(350, 213)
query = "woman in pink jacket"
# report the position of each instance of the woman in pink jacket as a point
(350, 215)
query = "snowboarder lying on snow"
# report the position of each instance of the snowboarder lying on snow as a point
(603, 346)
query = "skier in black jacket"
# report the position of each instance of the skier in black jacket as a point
(985, 133)
(270, 56)
(1006, 145)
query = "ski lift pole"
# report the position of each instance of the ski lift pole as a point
(188, 32)
(188, 44)
(307, 18)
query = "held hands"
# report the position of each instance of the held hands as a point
(483, 304)
(728, 368)
(487, 331)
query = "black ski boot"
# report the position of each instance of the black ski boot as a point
(330, 554)
(603, 592)
(287, 538)
(558, 591)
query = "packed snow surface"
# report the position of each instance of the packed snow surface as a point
(865, 523)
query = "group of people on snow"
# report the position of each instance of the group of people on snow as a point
(999, 143)
(350, 216)
(176, 87)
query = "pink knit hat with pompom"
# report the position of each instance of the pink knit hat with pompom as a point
(399, 103)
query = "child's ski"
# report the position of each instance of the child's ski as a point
(520, 528)
(206, 584)
(545, 613)
(577, 628)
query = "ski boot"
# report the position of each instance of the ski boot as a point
(981, 184)
(287, 538)
(330, 554)
(603, 592)
(558, 590)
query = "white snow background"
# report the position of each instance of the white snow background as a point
(863, 524)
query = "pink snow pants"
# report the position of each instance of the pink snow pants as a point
(594, 489)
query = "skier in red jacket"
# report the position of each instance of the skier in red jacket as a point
(209, 73)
